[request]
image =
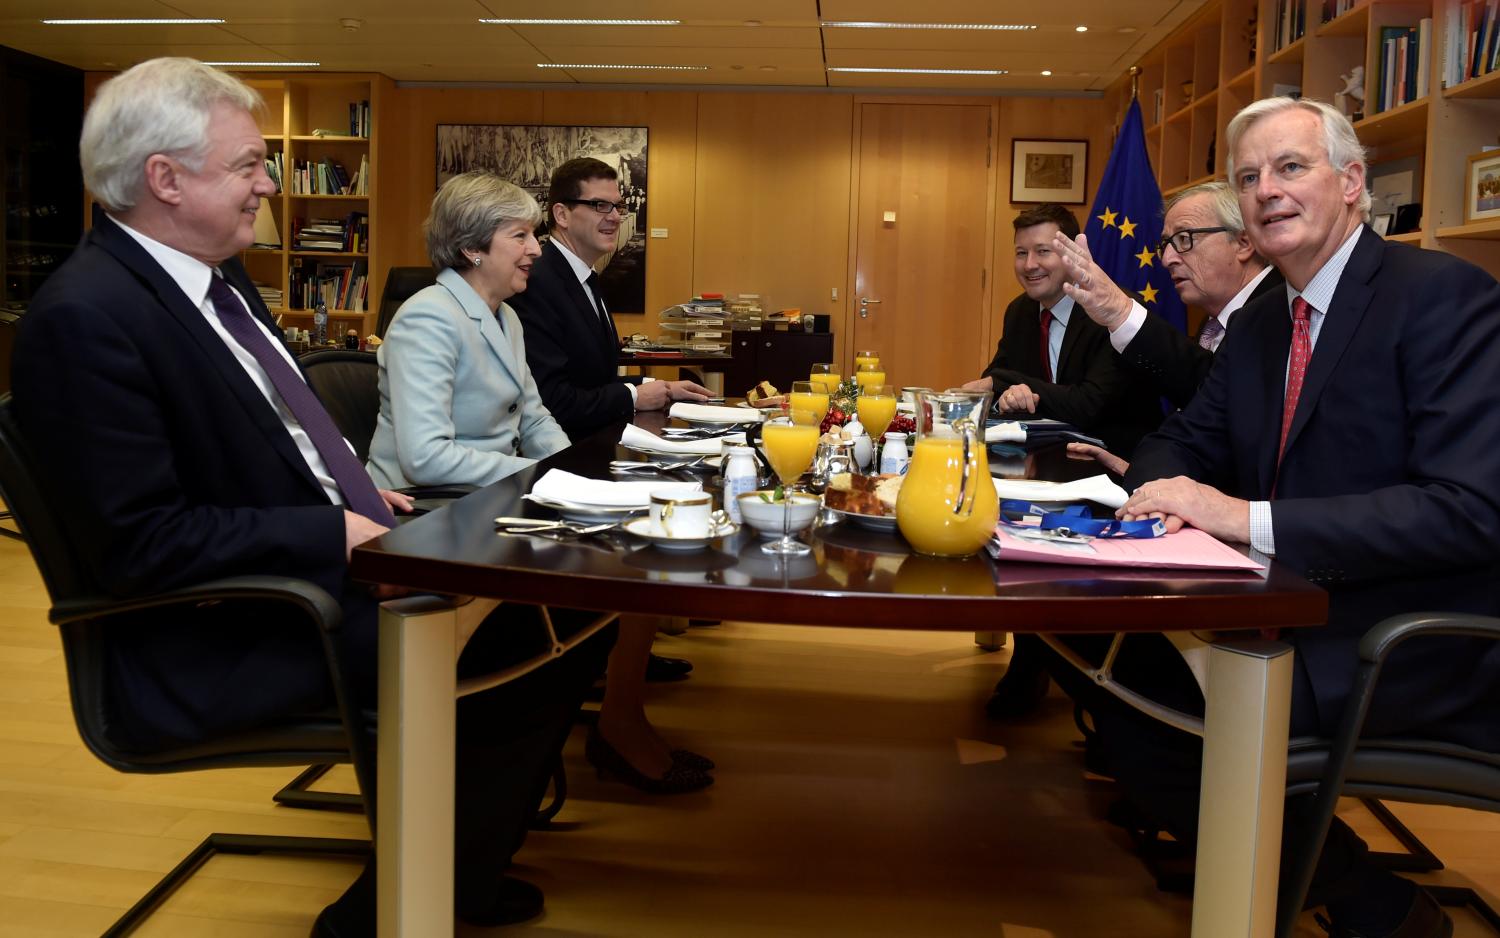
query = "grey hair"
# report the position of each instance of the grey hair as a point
(1339, 139)
(159, 106)
(467, 211)
(1225, 204)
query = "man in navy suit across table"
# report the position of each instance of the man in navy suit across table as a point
(1350, 431)
(153, 387)
(571, 343)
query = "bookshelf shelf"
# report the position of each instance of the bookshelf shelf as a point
(1488, 230)
(1167, 193)
(322, 197)
(1485, 86)
(1291, 54)
(1405, 123)
(1244, 80)
(1356, 22)
(1406, 237)
(315, 138)
(328, 254)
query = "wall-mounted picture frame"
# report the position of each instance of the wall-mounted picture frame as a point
(1482, 192)
(526, 154)
(1049, 171)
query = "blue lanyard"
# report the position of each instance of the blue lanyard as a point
(1075, 521)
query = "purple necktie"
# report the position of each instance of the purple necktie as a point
(359, 492)
(1212, 329)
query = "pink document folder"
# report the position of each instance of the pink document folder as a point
(1188, 549)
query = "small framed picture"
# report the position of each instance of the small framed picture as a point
(1049, 171)
(1382, 222)
(1482, 194)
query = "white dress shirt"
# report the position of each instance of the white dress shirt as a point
(1057, 327)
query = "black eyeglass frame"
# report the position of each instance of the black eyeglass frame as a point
(1161, 246)
(595, 203)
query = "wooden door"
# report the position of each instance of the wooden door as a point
(923, 229)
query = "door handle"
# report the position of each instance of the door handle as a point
(864, 306)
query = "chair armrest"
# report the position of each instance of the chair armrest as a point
(1381, 640)
(313, 599)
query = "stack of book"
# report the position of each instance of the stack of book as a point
(350, 234)
(269, 295)
(340, 285)
(1404, 54)
(1471, 42)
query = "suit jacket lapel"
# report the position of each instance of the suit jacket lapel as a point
(1351, 298)
(222, 361)
(588, 322)
(486, 321)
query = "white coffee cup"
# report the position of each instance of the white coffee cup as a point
(680, 514)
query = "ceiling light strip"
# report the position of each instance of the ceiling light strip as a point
(657, 68)
(538, 22)
(265, 64)
(859, 24)
(923, 71)
(134, 22)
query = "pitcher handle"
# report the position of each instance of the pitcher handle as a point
(965, 493)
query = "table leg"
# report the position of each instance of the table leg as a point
(414, 787)
(1243, 789)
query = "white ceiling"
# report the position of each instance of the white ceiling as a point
(743, 42)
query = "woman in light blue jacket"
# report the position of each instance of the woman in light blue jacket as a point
(457, 402)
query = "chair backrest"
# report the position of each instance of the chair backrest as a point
(348, 384)
(301, 740)
(400, 284)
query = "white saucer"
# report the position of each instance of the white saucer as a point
(641, 528)
(586, 514)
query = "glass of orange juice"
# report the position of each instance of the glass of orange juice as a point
(869, 373)
(826, 374)
(866, 357)
(789, 448)
(876, 408)
(807, 402)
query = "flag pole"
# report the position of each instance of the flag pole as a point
(1135, 81)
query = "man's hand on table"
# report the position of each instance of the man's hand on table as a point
(657, 395)
(979, 384)
(1104, 457)
(358, 529)
(1180, 500)
(1018, 398)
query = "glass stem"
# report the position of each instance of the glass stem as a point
(786, 513)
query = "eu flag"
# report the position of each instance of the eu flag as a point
(1125, 225)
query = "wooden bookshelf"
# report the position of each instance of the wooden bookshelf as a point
(1439, 130)
(296, 105)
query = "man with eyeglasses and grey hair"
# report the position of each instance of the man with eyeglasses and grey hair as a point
(571, 343)
(1213, 265)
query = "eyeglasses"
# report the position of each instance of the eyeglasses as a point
(1182, 240)
(602, 206)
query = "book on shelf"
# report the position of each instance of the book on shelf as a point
(359, 118)
(1403, 65)
(340, 285)
(1291, 21)
(351, 233)
(1471, 41)
(271, 296)
(274, 168)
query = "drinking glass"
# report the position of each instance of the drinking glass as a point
(807, 403)
(864, 357)
(876, 408)
(789, 448)
(827, 374)
(869, 373)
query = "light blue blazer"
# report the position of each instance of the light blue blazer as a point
(457, 401)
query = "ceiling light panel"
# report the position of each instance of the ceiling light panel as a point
(504, 22)
(133, 22)
(855, 24)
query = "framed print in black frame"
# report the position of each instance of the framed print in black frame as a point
(1049, 171)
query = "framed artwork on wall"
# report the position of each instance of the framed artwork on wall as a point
(526, 154)
(1482, 194)
(1049, 171)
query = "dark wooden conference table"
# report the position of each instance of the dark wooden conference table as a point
(854, 578)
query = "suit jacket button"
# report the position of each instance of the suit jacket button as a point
(512, 408)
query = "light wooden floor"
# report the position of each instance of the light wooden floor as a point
(860, 792)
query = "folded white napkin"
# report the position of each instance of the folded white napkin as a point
(1010, 431)
(711, 413)
(1094, 489)
(645, 441)
(561, 486)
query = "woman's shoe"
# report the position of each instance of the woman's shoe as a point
(690, 759)
(607, 760)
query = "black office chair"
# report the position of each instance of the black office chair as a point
(400, 284)
(84, 612)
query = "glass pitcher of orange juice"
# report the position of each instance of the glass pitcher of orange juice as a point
(947, 506)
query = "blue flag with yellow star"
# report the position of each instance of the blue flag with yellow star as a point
(1125, 225)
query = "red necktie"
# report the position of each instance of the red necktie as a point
(1297, 368)
(1046, 350)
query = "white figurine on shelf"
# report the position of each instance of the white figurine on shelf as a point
(1353, 92)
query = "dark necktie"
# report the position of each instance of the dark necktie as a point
(1212, 329)
(1296, 368)
(605, 322)
(1046, 344)
(359, 492)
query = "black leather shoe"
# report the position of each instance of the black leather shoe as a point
(607, 761)
(692, 760)
(515, 900)
(1019, 692)
(1425, 919)
(661, 668)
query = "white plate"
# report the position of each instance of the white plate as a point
(641, 528)
(710, 423)
(586, 514)
(886, 523)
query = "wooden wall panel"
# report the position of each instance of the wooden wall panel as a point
(773, 198)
